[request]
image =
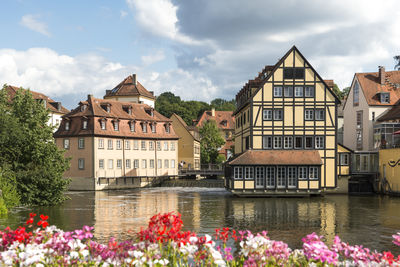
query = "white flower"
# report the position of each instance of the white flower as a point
(193, 239)
(74, 255)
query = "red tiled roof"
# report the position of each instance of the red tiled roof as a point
(94, 113)
(391, 114)
(52, 105)
(278, 157)
(227, 146)
(224, 119)
(370, 85)
(129, 87)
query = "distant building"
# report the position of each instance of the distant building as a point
(113, 142)
(226, 124)
(188, 143)
(371, 95)
(131, 90)
(285, 132)
(56, 110)
(340, 123)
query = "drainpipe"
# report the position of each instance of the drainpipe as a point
(123, 157)
(155, 158)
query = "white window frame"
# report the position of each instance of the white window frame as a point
(110, 144)
(165, 145)
(267, 142)
(101, 143)
(151, 163)
(67, 125)
(116, 126)
(308, 114)
(66, 143)
(119, 163)
(237, 173)
(143, 145)
(110, 164)
(270, 177)
(280, 177)
(135, 145)
(267, 114)
(153, 128)
(172, 164)
(103, 124)
(144, 163)
(158, 145)
(166, 163)
(313, 173)
(101, 163)
(302, 173)
(159, 164)
(118, 144)
(319, 114)
(319, 142)
(278, 91)
(288, 91)
(298, 91)
(81, 143)
(144, 127)
(248, 173)
(151, 145)
(277, 142)
(309, 91)
(278, 114)
(288, 142)
(172, 146)
(81, 164)
(128, 163)
(344, 159)
(84, 124)
(136, 164)
(291, 177)
(132, 126)
(127, 144)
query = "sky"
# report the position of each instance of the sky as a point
(196, 49)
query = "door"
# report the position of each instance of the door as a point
(260, 177)
(291, 175)
(270, 177)
(281, 177)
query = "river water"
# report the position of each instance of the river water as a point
(367, 220)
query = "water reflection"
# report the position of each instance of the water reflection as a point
(358, 220)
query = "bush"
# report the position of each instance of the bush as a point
(8, 187)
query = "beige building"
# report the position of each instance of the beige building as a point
(285, 132)
(371, 95)
(188, 143)
(130, 90)
(112, 143)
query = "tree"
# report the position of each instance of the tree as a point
(210, 142)
(27, 147)
(397, 59)
(222, 104)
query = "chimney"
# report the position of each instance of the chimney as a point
(213, 112)
(382, 75)
(134, 79)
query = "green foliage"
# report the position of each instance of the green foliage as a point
(8, 186)
(27, 146)
(341, 94)
(220, 159)
(3, 208)
(167, 104)
(397, 59)
(211, 141)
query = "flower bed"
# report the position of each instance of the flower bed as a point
(164, 243)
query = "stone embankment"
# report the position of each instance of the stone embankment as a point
(211, 183)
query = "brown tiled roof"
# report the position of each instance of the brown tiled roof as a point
(94, 113)
(370, 85)
(227, 146)
(330, 83)
(219, 118)
(129, 87)
(278, 157)
(391, 114)
(52, 105)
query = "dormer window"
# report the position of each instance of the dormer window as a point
(167, 128)
(83, 107)
(127, 109)
(144, 127)
(84, 124)
(224, 123)
(132, 126)
(103, 124)
(67, 124)
(106, 107)
(153, 127)
(385, 98)
(150, 112)
(116, 125)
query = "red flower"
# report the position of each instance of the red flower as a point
(43, 217)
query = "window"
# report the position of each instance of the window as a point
(298, 142)
(373, 115)
(110, 164)
(359, 126)
(319, 142)
(173, 164)
(270, 176)
(277, 142)
(298, 91)
(81, 143)
(159, 164)
(143, 145)
(116, 126)
(288, 91)
(66, 143)
(302, 173)
(158, 145)
(344, 159)
(167, 130)
(308, 114)
(293, 73)
(119, 163)
(103, 124)
(313, 173)
(267, 142)
(101, 163)
(278, 114)
(128, 163)
(127, 144)
(248, 173)
(320, 114)
(144, 127)
(385, 98)
(67, 125)
(101, 143)
(291, 175)
(173, 146)
(359, 138)
(135, 144)
(84, 124)
(237, 172)
(119, 145)
(309, 91)
(153, 127)
(136, 164)
(309, 142)
(288, 142)
(152, 164)
(132, 126)
(166, 164)
(81, 164)
(165, 145)
(144, 164)
(277, 91)
(267, 114)
(247, 142)
(151, 145)
(281, 177)
(110, 144)
(356, 92)
(359, 119)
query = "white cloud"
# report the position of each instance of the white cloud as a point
(123, 14)
(153, 58)
(32, 22)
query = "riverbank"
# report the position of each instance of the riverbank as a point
(209, 183)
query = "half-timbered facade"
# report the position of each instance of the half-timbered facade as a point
(285, 132)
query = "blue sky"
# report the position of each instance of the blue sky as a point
(197, 49)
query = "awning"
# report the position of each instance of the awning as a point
(397, 132)
(278, 157)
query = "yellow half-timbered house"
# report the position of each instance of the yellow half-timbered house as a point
(285, 132)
